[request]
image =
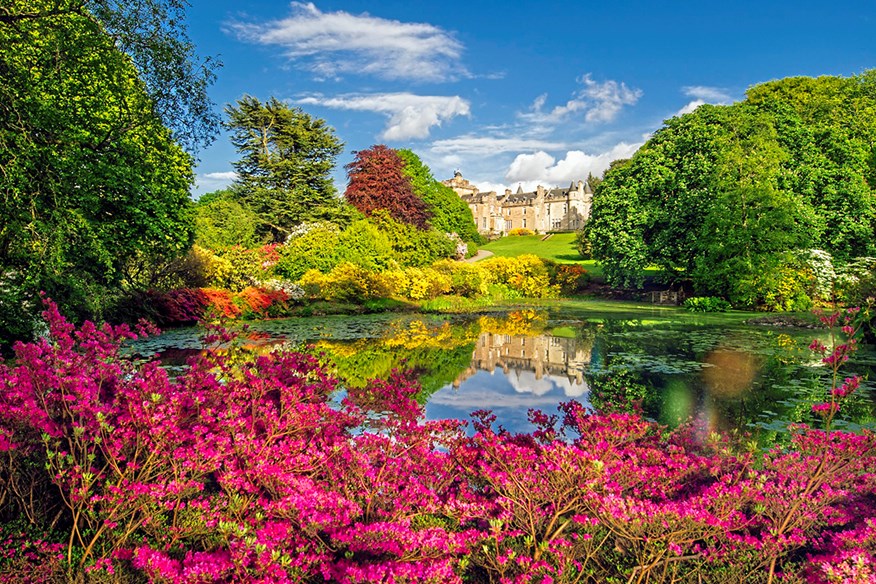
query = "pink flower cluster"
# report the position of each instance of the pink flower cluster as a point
(256, 472)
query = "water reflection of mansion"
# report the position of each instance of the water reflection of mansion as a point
(562, 359)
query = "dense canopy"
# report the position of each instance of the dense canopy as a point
(91, 179)
(286, 160)
(730, 198)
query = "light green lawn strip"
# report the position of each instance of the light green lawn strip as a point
(560, 248)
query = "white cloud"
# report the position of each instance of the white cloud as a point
(542, 168)
(212, 181)
(410, 116)
(709, 94)
(599, 102)
(689, 107)
(702, 95)
(608, 98)
(331, 44)
(487, 145)
(525, 382)
(530, 166)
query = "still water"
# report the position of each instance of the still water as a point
(717, 370)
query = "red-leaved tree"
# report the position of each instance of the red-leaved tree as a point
(376, 182)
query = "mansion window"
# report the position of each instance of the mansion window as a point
(555, 224)
(524, 222)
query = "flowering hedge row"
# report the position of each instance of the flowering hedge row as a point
(191, 305)
(524, 276)
(254, 473)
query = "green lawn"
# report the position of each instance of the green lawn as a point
(559, 247)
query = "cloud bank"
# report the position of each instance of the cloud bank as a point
(410, 116)
(542, 168)
(333, 44)
(596, 102)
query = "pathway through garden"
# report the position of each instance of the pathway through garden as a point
(481, 255)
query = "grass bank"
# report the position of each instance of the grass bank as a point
(560, 247)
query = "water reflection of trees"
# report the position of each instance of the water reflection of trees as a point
(725, 376)
(445, 353)
(755, 380)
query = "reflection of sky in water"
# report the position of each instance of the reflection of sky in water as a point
(510, 396)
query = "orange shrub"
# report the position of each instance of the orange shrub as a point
(220, 301)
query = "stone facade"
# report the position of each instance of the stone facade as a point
(564, 360)
(542, 210)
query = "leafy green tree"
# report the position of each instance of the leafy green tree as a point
(315, 248)
(287, 157)
(364, 244)
(726, 194)
(153, 34)
(221, 221)
(449, 213)
(413, 246)
(91, 181)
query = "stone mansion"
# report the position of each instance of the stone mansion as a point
(542, 210)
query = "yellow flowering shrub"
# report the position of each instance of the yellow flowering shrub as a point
(426, 283)
(526, 274)
(466, 279)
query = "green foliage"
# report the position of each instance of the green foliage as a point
(616, 391)
(287, 158)
(413, 246)
(583, 243)
(719, 195)
(315, 247)
(222, 222)
(236, 268)
(449, 213)
(153, 34)
(776, 283)
(364, 244)
(346, 283)
(377, 244)
(92, 182)
(706, 304)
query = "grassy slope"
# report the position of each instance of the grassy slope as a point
(559, 247)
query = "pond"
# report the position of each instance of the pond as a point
(673, 365)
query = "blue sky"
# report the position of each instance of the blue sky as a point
(513, 92)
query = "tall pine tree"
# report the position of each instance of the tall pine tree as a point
(287, 156)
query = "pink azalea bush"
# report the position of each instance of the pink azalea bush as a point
(269, 472)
